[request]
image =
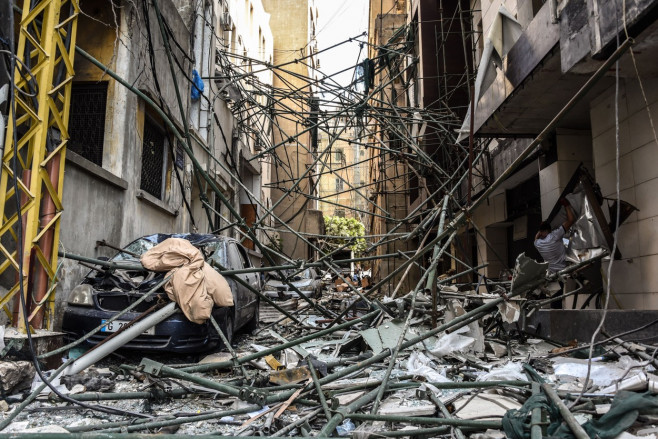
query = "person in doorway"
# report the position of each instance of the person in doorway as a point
(550, 246)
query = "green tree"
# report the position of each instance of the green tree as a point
(341, 230)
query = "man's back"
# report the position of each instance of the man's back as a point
(552, 249)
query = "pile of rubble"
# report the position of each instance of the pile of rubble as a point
(386, 370)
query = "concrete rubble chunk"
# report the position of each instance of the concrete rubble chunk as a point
(15, 375)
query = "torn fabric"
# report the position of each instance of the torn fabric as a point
(194, 285)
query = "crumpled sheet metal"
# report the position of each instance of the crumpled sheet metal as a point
(586, 232)
(385, 336)
(194, 285)
(527, 270)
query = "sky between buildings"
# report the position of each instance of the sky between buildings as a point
(338, 20)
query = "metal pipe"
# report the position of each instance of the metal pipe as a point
(454, 422)
(155, 393)
(391, 362)
(275, 349)
(159, 369)
(111, 319)
(568, 417)
(290, 427)
(418, 432)
(535, 417)
(446, 414)
(318, 389)
(124, 337)
(343, 412)
(466, 213)
(170, 422)
(227, 344)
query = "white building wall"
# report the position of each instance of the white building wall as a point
(635, 277)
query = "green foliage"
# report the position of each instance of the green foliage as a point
(351, 229)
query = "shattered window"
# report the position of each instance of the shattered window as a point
(153, 158)
(219, 254)
(138, 248)
(87, 120)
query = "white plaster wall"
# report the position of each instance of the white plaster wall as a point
(573, 148)
(635, 277)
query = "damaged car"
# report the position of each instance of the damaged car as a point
(282, 284)
(105, 292)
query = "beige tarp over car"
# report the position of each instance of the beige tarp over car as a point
(194, 285)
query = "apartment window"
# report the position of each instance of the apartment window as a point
(340, 185)
(338, 156)
(153, 158)
(87, 120)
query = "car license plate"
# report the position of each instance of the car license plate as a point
(116, 325)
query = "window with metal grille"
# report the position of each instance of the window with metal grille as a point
(153, 158)
(87, 120)
(339, 185)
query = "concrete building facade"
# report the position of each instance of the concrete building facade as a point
(295, 134)
(561, 45)
(343, 189)
(126, 174)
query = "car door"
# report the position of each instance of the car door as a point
(253, 279)
(236, 262)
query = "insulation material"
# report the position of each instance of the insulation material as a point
(194, 285)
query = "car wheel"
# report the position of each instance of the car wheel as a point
(228, 329)
(252, 324)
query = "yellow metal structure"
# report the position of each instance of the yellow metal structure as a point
(35, 146)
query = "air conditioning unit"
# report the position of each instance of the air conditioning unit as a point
(225, 21)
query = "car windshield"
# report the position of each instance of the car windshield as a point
(134, 250)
